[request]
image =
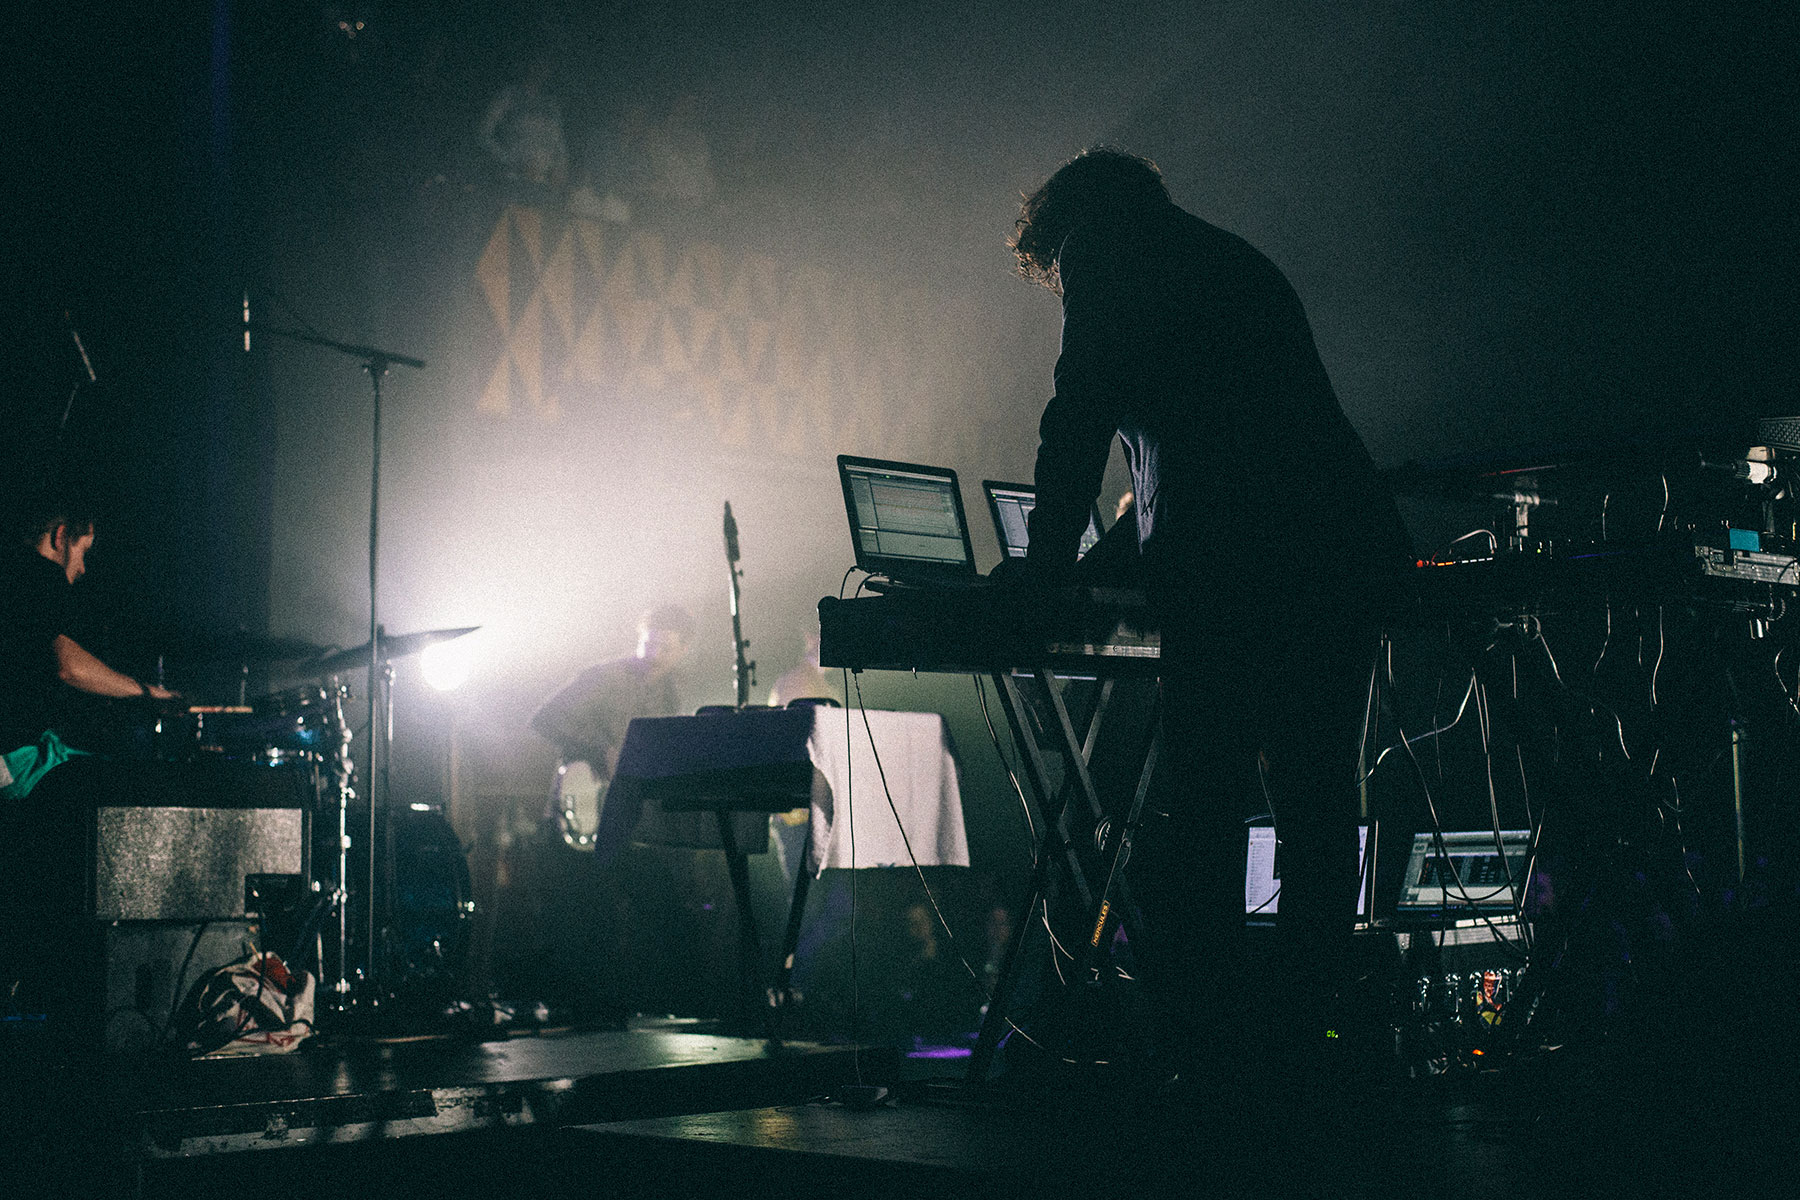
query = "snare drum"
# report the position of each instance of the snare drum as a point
(280, 728)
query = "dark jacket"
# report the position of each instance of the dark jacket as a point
(1191, 346)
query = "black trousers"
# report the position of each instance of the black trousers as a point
(1261, 712)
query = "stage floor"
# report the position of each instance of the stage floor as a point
(659, 1110)
(120, 1123)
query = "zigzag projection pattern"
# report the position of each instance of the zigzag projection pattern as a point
(737, 348)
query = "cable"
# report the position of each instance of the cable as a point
(1493, 541)
(1407, 743)
(850, 816)
(180, 978)
(1605, 642)
(994, 737)
(931, 896)
(1659, 655)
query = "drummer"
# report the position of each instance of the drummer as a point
(39, 656)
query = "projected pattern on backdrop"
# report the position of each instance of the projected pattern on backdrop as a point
(738, 348)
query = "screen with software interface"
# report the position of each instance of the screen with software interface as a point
(1474, 869)
(1262, 872)
(1012, 512)
(904, 514)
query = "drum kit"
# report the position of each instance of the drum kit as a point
(411, 888)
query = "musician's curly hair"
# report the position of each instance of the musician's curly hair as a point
(1100, 181)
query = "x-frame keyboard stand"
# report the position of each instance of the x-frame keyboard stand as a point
(1111, 902)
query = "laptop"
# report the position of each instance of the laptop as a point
(1010, 505)
(907, 522)
(1262, 874)
(1471, 876)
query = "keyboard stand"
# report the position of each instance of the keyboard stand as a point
(1112, 902)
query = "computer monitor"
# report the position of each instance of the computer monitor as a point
(1262, 874)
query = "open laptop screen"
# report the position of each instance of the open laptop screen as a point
(1262, 873)
(906, 519)
(1010, 505)
(1470, 873)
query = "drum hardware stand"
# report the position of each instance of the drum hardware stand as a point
(343, 774)
(1737, 792)
(376, 363)
(387, 824)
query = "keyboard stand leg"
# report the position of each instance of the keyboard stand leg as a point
(781, 997)
(1107, 917)
(1050, 847)
(1112, 906)
(750, 945)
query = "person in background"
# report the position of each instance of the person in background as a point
(806, 679)
(586, 720)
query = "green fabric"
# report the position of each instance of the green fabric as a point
(29, 764)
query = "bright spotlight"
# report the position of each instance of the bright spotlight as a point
(446, 665)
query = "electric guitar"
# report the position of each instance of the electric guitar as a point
(580, 795)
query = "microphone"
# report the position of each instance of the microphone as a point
(1755, 472)
(731, 542)
(1749, 471)
(86, 363)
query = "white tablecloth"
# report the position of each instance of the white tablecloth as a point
(920, 768)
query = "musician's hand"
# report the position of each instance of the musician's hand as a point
(162, 699)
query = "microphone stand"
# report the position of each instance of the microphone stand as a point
(743, 671)
(376, 363)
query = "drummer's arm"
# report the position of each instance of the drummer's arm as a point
(82, 671)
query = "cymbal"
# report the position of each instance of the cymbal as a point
(398, 645)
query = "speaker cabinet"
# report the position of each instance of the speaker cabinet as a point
(188, 864)
(174, 841)
(114, 870)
